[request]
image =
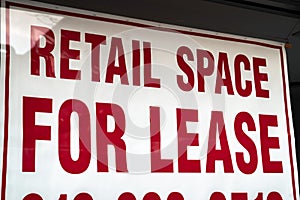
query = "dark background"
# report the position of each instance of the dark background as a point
(277, 20)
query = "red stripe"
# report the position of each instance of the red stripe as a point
(141, 25)
(6, 112)
(288, 125)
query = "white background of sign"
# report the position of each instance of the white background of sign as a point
(50, 180)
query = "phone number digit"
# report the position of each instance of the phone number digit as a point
(244, 196)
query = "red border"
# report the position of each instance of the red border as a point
(288, 124)
(136, 24)
(6, 112)
(141, 25)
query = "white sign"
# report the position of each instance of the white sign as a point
(103, 107)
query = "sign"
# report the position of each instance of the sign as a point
(103, 107)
